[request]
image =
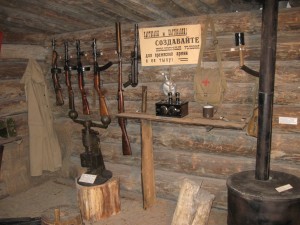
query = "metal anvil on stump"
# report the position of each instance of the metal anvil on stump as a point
(101, 198)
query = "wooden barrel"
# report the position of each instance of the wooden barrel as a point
(62, 215)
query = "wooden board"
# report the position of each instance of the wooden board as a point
(188, 120)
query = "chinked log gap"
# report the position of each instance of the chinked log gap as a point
(126, 148)
(253, 196)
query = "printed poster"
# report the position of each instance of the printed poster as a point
(171, 45)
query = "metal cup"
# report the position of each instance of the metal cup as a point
(208, 111)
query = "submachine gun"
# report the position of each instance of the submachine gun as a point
(105, 118)
(80, 69)
(133, 76)
(92, 157)
(72, 112)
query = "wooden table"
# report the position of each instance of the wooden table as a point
(147, 170)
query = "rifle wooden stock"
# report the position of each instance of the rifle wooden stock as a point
(102, 102)
(85, 104)
(55, 79)
(126, 148)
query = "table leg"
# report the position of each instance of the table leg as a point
(148, 180)
(1, 154)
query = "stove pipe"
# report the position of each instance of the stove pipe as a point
(253, 196)
(266, 88)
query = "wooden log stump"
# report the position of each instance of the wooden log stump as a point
(99, 201)
(193, 206)
(62, 215)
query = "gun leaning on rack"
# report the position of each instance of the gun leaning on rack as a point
(133, 76)
(122, 121)
(55, 71)
(105, 118)
(80, 69)
(72, 113)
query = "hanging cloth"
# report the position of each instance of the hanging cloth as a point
(209, 83)
(44, 148)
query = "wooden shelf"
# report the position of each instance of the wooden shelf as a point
(187, 120)
(4, 141)
(147, 165)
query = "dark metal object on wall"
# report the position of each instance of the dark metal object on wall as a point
(133, 76)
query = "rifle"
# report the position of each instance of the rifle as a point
(122, 121)
(133, 76)
(55, 71)
(80, 69)
(105, 118)
(72, 113)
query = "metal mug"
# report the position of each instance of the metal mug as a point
(208, 111)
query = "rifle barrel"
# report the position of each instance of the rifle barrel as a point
(126, 148)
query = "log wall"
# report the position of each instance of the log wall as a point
(179, 150)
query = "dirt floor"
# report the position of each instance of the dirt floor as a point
(59, 192)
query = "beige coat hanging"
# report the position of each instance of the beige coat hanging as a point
(45, 152)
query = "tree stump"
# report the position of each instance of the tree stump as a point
(193, 206)
(99, 201)
(61, 215)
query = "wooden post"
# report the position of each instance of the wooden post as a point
(148, 180)
(193, 206)
(99, 201)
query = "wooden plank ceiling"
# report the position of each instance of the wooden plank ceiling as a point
(61, 16)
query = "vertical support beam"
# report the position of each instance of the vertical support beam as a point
(148, 180)
(1, 155)
(266, 88)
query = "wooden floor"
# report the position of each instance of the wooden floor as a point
(59, 191)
